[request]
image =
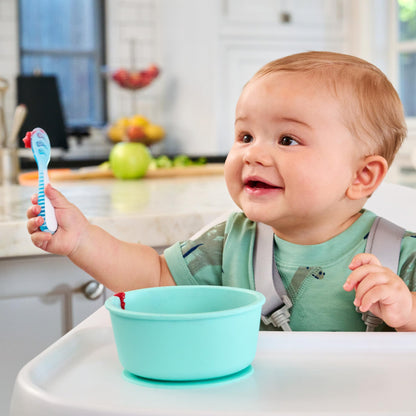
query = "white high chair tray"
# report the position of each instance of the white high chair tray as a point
(296, 373)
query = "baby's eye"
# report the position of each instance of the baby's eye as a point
(247, 138)
(287, 141)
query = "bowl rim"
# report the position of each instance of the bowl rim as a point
(258, 301)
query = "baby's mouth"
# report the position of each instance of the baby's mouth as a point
(259, 184)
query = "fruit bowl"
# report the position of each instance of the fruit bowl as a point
(134, 80)
(136, 128)
(186, 333)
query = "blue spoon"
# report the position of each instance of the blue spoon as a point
(38, 140)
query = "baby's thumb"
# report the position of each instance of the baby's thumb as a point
(56, 198)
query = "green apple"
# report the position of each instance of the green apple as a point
(129, 160)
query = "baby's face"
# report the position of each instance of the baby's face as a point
(293, 157)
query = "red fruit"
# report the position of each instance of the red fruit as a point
(135, 80)
(153, 70)
(121, 75)
(146, 77)
(135, 133)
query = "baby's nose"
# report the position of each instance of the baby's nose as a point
(258, 153)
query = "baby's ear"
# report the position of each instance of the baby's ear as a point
(368, 177)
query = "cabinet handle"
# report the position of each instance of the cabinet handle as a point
(93, 290)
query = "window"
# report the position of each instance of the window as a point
(66, 38)
(406, 48)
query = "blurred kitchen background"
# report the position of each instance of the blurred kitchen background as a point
(205, 49)
(61, 58)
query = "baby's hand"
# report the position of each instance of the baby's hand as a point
(380, 291)
(71, 224)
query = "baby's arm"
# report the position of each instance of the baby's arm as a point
(119, 265)
(382, 292)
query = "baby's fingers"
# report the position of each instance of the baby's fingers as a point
(371, 290)
(360, 274)
(362, 259)
(33, 224)
(33, 211)
(41, 239)
(34, 199)
(361, 265)
(379, 293)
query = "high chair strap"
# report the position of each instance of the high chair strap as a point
(276, 308)
(386, 247)
(384, 241)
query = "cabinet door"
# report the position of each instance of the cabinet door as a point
(239, 62)
(41, 298)
(307, 16)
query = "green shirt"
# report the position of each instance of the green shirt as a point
(312, 274)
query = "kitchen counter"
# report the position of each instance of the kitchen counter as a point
(161, 211)
(156, 212)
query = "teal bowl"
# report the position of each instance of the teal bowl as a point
(186, 333)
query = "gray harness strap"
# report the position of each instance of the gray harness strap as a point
(276, 308)
(384, 241)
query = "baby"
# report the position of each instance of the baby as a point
(315, 134)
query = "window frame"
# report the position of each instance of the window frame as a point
(99, 59)
(399, 46)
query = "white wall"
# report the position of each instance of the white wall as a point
(132, 43)
(189, 35)
(180, 37)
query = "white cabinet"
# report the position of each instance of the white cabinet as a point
(301, 17)
(41, 298)
(252, 33)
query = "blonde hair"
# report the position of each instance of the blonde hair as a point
(371, 106)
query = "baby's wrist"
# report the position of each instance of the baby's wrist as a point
(410, 326)
(83, 242)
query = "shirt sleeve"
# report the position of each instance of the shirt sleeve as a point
(199, 261)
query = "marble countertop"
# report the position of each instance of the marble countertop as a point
(156, 212)
(159, 212)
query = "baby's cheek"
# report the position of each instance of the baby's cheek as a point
(232, 176)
